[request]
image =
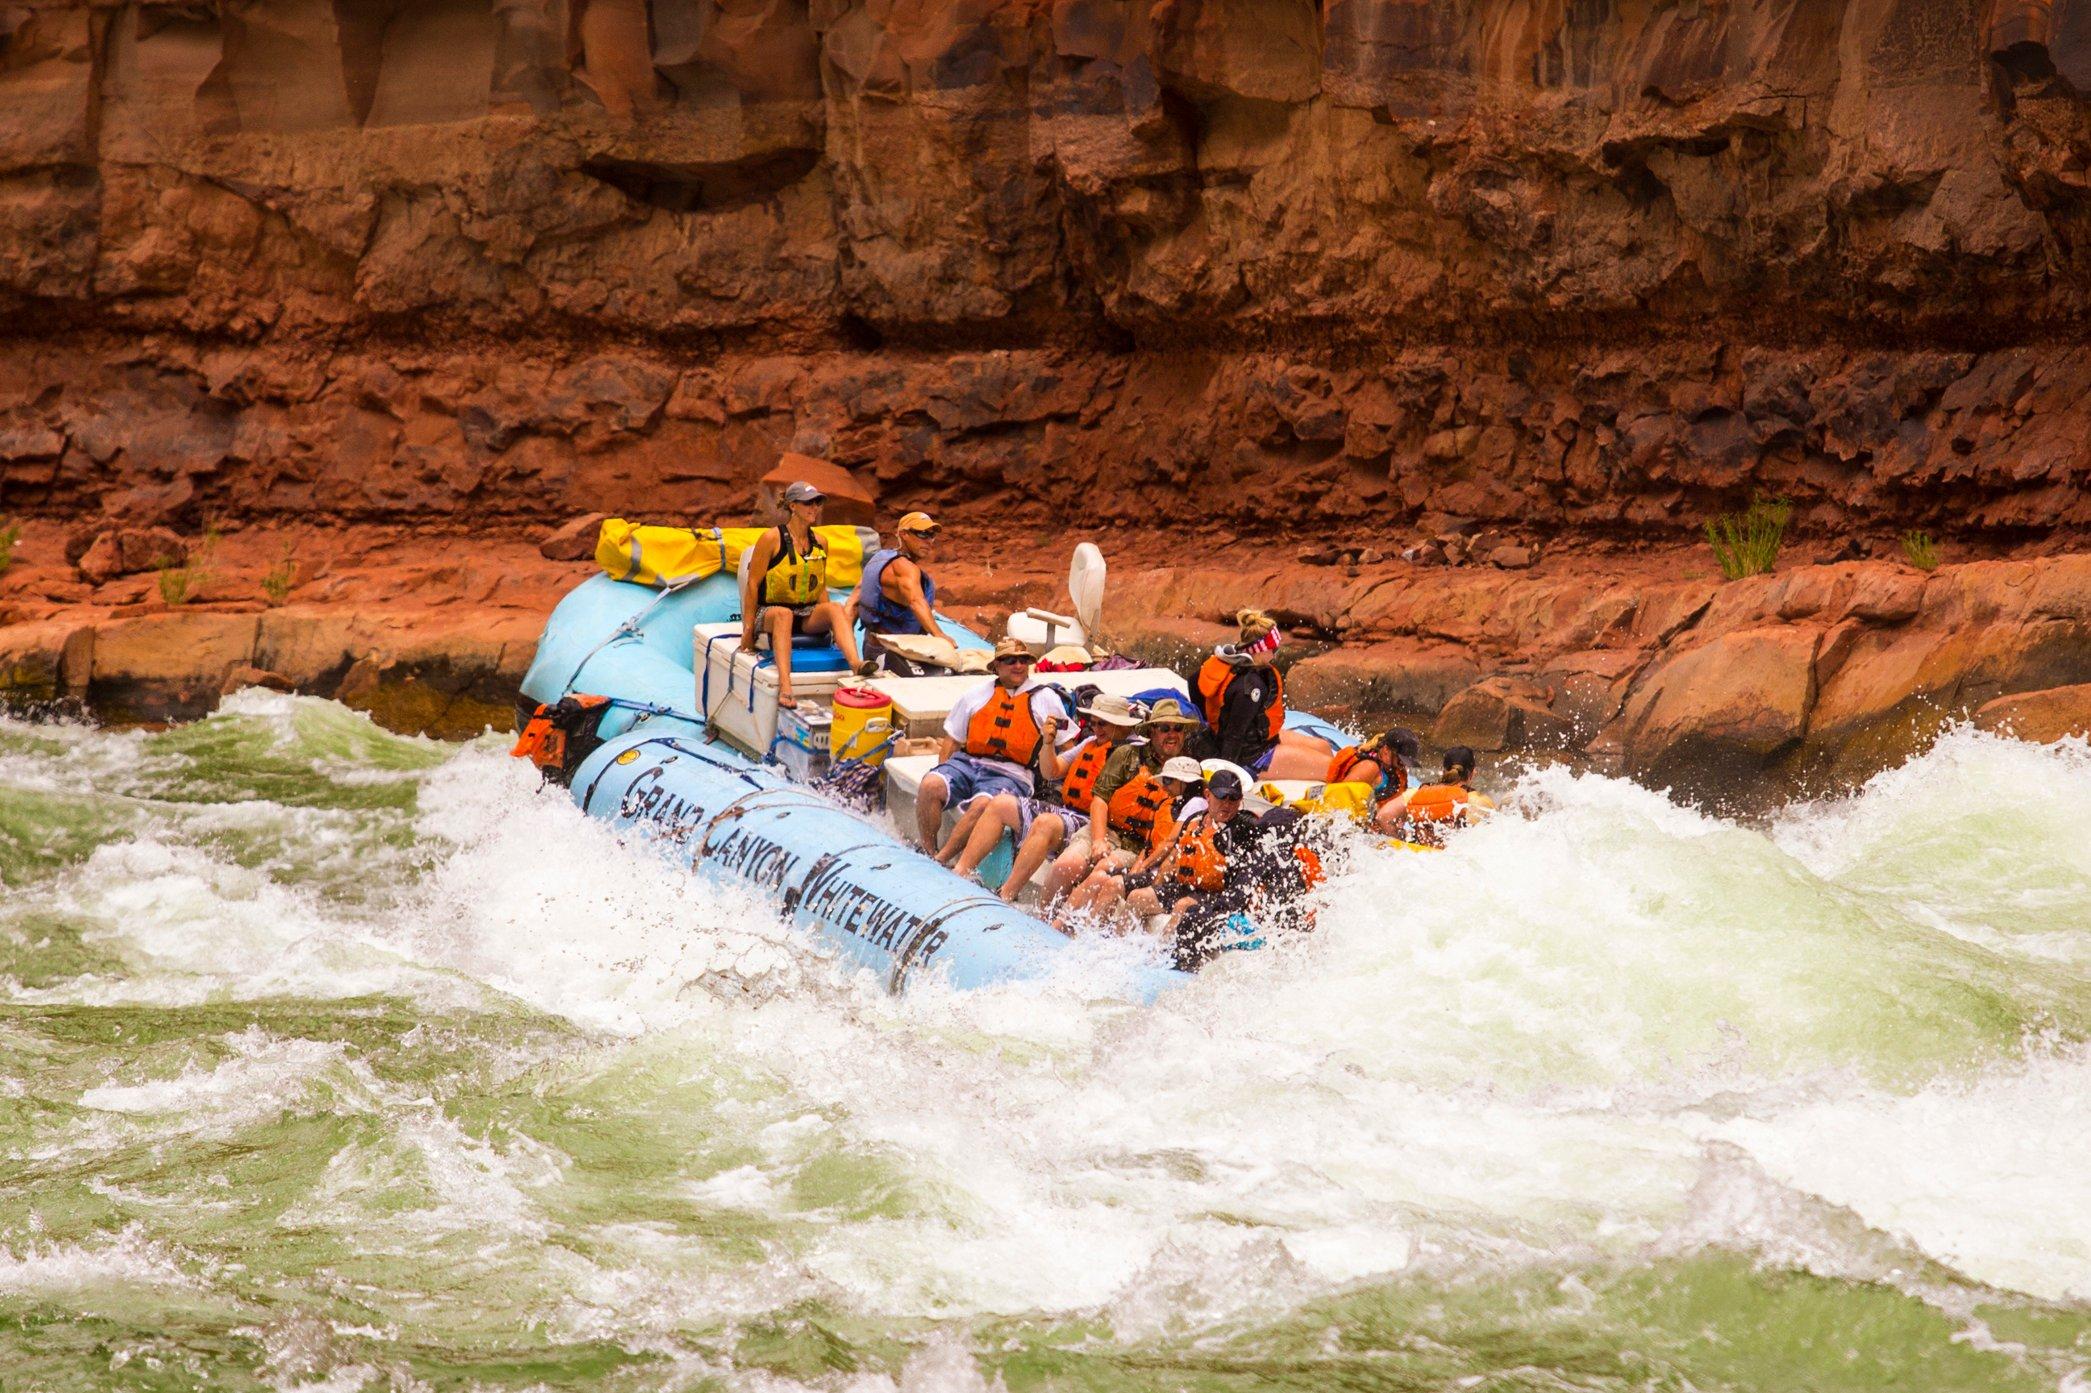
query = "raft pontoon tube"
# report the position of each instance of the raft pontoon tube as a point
(885, 906)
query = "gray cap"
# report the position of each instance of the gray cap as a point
(802, 493)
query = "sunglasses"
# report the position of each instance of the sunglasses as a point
(1219, 797)
(927, 534)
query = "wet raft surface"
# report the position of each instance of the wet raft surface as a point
(335, 1059)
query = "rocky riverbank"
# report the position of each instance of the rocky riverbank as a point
(1643, 661)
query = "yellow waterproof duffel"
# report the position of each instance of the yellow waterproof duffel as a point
(648, 555)
(1351, 799)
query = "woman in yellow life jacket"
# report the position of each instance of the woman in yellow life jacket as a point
(784, 590)
(1423, 815)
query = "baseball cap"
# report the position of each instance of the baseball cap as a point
(1224, 783)
(803, 492)
(917, 522)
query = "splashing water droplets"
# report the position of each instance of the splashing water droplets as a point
(323, 1012)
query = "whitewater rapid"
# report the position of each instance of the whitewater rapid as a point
(357, 1045)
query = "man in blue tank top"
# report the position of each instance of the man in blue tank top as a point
(896, 596)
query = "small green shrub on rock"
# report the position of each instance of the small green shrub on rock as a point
(181, 583)
(1747, 543)
(9, 535)
(1923, 553)
(276, 585)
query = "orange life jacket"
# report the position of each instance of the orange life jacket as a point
(1199, 864)
(1214, 680)
(1438, 803)
(1393, 777)
(1080, 784)
(1139, 805)
(1311, 871)
(1003, 728)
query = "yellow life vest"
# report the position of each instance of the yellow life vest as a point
(793, 579)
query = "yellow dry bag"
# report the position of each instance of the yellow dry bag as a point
(648, 555)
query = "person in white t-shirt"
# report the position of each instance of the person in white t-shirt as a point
(991, 740)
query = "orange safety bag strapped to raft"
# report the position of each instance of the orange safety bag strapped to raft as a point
(560, 734)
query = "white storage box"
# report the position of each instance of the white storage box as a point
(737, 692)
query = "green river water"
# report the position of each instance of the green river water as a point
(334, 1060)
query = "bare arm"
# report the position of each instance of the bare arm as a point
(760, 556)
(1049, 761)
(907, 579)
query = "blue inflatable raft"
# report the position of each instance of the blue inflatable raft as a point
(884, 906)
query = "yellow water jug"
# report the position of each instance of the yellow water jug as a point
(863, 721)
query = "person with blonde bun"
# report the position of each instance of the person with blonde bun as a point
(1242, 695)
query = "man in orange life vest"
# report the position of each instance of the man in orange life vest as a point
(1423, 814)
(992, 739)
(1128, 795)
(1182, 785)
(1219, 862)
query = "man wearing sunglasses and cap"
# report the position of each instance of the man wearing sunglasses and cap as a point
(896, 596)
(784, 589)
(992, 740)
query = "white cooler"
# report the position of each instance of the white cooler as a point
(737, 694)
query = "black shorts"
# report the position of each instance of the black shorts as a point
(798, 617)
(894, 664)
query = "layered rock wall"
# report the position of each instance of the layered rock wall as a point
(1610, 264)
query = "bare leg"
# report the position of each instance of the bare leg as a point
(1099, 881)
(929, 810)
(1046, 835)
(1070, 868)
(961, 831)
(1143, 905)
(1101, 895)
(828, 618)
(1001, 816)
(1083, 895)
(778, 620)
(1299, 756)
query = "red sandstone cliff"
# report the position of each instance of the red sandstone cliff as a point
(1605, 265)
(1202, 275)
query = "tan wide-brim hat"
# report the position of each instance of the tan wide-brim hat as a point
(1014, 648)
(1112, 709)
(1170, 713)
